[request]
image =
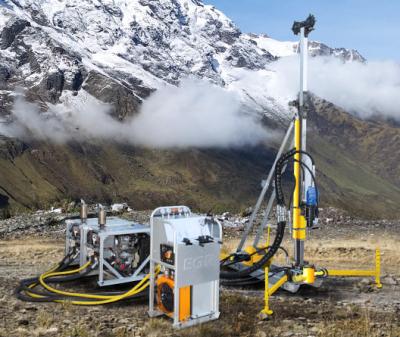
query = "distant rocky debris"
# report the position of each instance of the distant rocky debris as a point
(328, 216)
(30, 223)
(52, 222)
(42, 222)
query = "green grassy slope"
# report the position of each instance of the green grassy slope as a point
(204, 179)
(358, 161)
(357, 170)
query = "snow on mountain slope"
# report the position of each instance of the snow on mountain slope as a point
(121, 50)
(315, 48)
(275, 47)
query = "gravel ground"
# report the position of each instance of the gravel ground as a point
(29, 244)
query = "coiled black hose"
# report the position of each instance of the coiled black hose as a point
(28, 286)
(280, 200)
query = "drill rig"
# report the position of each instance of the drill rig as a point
(253, 263)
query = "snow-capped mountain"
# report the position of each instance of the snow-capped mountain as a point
(71, 53)
(121, 50)
(289, 48)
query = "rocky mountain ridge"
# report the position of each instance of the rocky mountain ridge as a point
(119, 52)
(315, 48)
(134, 47)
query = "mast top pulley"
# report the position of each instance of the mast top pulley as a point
(307, 24)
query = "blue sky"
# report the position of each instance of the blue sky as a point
(370, 26)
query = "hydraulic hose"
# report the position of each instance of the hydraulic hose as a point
(43, 277)
(59, 296)
(28, 285)
(32, 282)
(241, 282)
(281, 210)
(268, 255)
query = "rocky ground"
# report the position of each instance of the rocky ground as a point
(340, 307)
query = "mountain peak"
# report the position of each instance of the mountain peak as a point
(139, 45)
(315, 48)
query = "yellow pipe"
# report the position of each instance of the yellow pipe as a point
(278, 284)
(88, 296)
(266, 311)
(378, 268)
(33, 285)
(351, 272)
(358, 272)
(66, 293)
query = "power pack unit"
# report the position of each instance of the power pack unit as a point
(184, 266)
(120, 248)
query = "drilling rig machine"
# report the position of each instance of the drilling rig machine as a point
(253, 263)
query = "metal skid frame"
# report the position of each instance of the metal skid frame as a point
(139, 273)
(104, 268)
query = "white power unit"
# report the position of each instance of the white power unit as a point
(120, 248)
(186, 249)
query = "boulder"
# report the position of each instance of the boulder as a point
(11, 30)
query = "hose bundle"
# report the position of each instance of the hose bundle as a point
(243, 276)
(27, 289)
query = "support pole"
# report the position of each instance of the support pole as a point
(303, 112)
(266, 311)
(378, 268)
(302, 182)
(299, 136)
(264, 190)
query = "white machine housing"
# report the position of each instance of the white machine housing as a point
(195, 242)
(120, 243)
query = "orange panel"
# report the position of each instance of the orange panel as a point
(184, 298)
(184, 303)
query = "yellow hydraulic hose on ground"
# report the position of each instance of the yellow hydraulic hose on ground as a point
(102, 299)
(67, 293)
(33, 285)
(72, 294)
(53, 272)
(135, 290)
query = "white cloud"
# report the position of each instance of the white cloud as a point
(195, 114)
(366, 89)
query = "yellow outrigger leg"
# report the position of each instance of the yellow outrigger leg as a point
(270, 291)
(362, 273)
(307, 278)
